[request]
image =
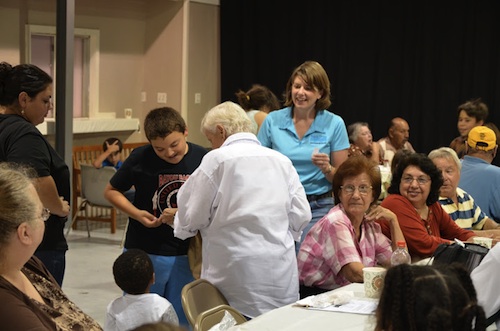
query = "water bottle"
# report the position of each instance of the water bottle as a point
(400, 255)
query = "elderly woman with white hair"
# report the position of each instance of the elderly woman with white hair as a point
(455, 201)
(362, 143)
(361, 140)
(249, 206)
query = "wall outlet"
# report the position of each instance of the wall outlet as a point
(162, 97)
(143, 96)
(197, 98)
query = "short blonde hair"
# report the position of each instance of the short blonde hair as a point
(16, 206)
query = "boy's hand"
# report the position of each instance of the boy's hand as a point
(148, 220)
(113, 147)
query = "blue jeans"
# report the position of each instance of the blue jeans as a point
(319, 208)
(171, 274)
(55, 261)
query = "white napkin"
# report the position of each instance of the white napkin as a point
(226, 322)
(326, 299)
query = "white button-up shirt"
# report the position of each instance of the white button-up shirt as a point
(249, 205)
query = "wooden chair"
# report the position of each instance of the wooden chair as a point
(129, 147)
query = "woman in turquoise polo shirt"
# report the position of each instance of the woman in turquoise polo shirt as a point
(313, 138)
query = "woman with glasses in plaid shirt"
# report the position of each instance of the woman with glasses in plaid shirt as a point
(347, 239)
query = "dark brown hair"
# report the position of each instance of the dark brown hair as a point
(425, 164)
(133, 271)
(21, 78)
(315, 76)
(161, 122)
(258, 97)
(475, 108)
(111, 141)
(429, 298)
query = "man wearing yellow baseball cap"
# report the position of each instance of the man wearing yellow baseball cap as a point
(479, 177)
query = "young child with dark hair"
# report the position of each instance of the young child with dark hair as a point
(470, 114)
(422, 298)
(134, 274)
(111, 155)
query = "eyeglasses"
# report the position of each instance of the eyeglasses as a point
(410, 179)
(45, 214)
(362, 189)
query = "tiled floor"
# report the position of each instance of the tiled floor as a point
(88, 280)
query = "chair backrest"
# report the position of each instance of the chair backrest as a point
(81, 154)
(199, 296)
(93, 183)
(213, 316)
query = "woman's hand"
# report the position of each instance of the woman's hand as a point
(322, 161)
(64, 208)
(378, 212)
(381, 213)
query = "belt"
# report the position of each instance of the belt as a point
(312, 197)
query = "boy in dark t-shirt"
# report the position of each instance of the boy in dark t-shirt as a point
(157, 171)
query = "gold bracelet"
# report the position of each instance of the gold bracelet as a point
(329, 169)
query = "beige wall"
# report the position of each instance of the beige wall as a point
(163, 58)
(141, 50)
(9, 42)
(204, 66)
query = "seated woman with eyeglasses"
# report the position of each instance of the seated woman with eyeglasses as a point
(30, 296)
(347, 239)
(413, 197)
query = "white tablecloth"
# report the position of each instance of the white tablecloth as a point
(291, 318)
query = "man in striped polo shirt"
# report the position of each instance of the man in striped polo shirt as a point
(458, 203)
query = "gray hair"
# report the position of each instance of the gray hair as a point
(353, 130)
(446, 153)
(229, 115)
(16, 206)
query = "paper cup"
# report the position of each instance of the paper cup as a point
(128, 113)
(373, 279)
(483, 241)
